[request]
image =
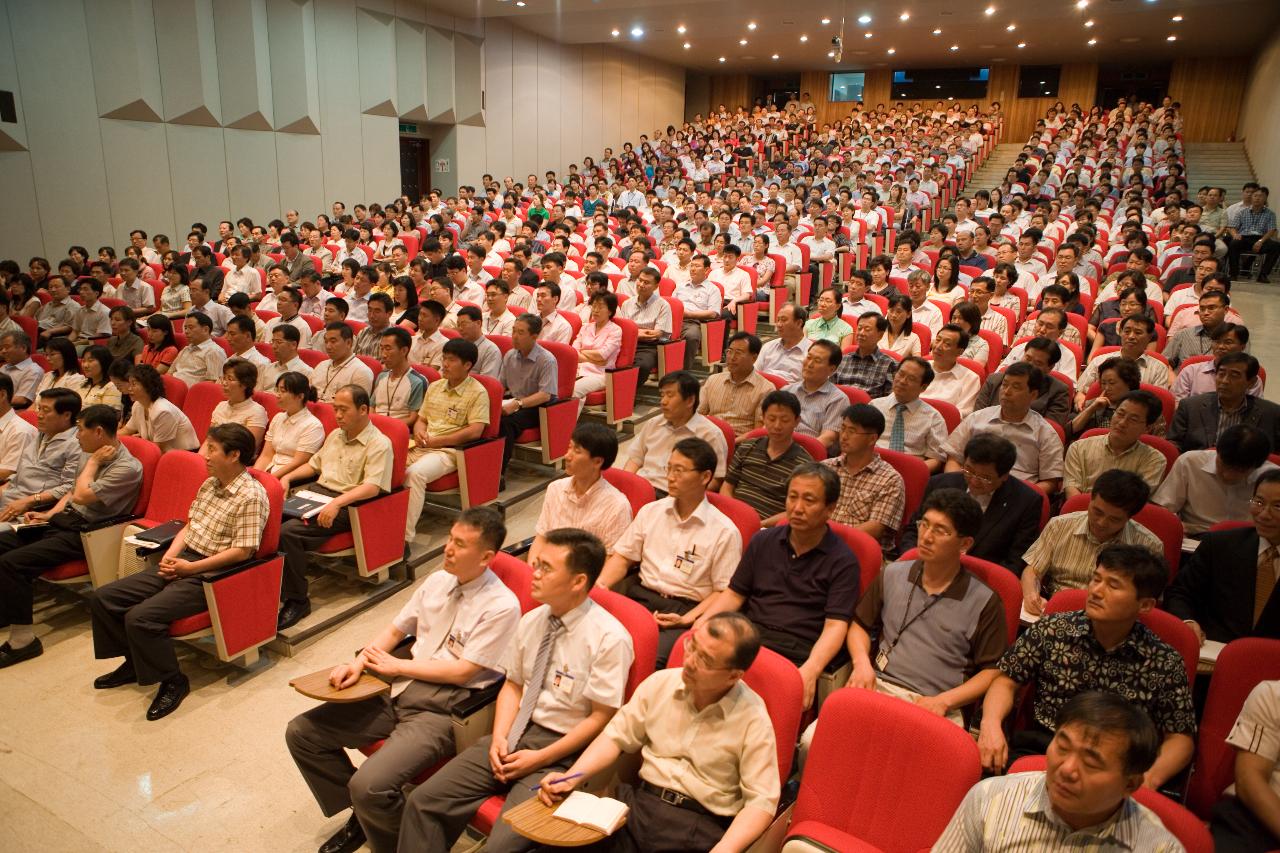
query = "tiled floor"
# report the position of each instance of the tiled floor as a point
(82, 770)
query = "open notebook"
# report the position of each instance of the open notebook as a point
(602, 813)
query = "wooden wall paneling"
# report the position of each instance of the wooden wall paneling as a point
(1211, 91)
(498, 97)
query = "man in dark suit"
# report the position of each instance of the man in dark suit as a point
(1224, 591)
(1199, 419)
(1054, 401)
(1010, 508)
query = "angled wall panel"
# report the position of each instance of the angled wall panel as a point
(198, 172)
(592, 110)
(342, 166)
(549, 97)
(13, 135)
(189, 63)
(500, 111)
(375, 34)
(295, 85)
(253, 185)
(468, 81)
(440, 100)
(524, 95)
(20, 232)
(141, 194)
(244, 64)
(301, 184)
(126, 65)
(381, 143)
(411, 69)
(572, 110)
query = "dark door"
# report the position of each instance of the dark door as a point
(415, 166)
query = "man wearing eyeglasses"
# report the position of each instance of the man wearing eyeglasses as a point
(1205, 487)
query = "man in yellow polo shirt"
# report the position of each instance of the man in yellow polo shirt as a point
(454, 411)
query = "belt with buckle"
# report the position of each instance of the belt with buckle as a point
(683, 801)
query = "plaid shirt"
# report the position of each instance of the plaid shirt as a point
(227, 517)
(874, 493)
(1250, 222)
(1060, 657)
(872, 373)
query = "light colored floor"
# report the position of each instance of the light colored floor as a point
(82, 770)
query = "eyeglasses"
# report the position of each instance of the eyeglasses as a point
(976, 477)
(699, 658)
(679, 470)
(923, 526)
(852, 430)
(1259, 505)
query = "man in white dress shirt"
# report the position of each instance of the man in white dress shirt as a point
(912, 425)
(650, 451)
(953, 382)
(922, 310)
(201, 359)
(784, 355)
(342, 368)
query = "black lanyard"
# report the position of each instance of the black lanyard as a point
(907, 623)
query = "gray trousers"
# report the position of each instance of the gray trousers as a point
(439, 809)
(131, 617)
(418, 731)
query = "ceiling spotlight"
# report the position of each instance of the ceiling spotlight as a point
(687, 45)
(1172, 38)
(722, 59)
(955, 47)
(831, 54)
(1021, 44)
(937, 32)
(1177, 19)
(867, 35)
(864, 19)
(742, 42)
(990, 10)
(521, 3)
(891, 51)
(751, 25)
(1092, 42)
(1088, 23)
(937, 87)
(615, 33)
(636, 32)
(803, 39)
(826, 21)
(775, 56)
(681, 29)
(905, 16)
(1080, 4)
(1011, 27)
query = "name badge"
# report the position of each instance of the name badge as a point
(452, 413)
(455, 642)
(563, 681)
(882, 660)
(686, 562)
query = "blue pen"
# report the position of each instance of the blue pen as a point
(557, 781)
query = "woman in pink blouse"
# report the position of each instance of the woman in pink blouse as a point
(597, 344)
(760, 261)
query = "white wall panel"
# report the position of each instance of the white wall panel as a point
(253, 185)
(610, 99)
(126, 66)
(141, 194)
(342, 166)
(13, 135)
(20, 232)
(301, 182)
(499, 118)
(440, 100)
(411, 70)
(295, 82)
(189, 63)
(468, 81)
(375, 34)
(381, 143)
(198, 172)
(244, 63)
(547, 100)
(524, 88)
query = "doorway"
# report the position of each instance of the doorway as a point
(415, 166)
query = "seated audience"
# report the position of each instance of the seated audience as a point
(1246, 819)
(488, 356)
(106, 486)
(872, 493)
(651, 448)
(1011, 509)
(1121, 447)
(1205, 487)
(821, 402)
(1065, 554)
(1201, 377)
(1198, 339)
(1224, 590)
(64, 367)
(153, 416)
(1039, 445)
(284, 345)
(289, 303)
(398, 389)
(1102, 749)
(294, 434)
(47, 461)
(953, 382)
(827, 324)
(865, 366)
(55, 316)
(702, 301)
(132, 616)
(583, 498)
(461, 619)
(798, 582)
(912, 425)
(551, 706)
(23, 373)
(1103, 647)
(353, 465)
(735, 393)
(652, 316)
(241, 337)
(784, 355)
(377, 321)
(675, 582)
(598, 344)
(239, 378)
(1053, 403)
(342, 367)
(1052, 324)
(201, 359)
(1135, 333)
(1200, 419)
(729, 772)
(531, 380)
(759, 464)
(428, 343)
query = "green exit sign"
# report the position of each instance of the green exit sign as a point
(408, 128)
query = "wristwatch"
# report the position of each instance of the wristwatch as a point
(519, 404)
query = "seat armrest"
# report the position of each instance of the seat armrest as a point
(228, 571)
(477, 699)
(109, 522)
(519, 549)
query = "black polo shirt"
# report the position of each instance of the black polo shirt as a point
(796, 594)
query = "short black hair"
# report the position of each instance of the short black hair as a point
(586, 552)
(825, 474)
(866, 416)
(343, 330)
(491, 523)
(1250, 363)
(1150, 403)
(1146, 569)
(1124, 490)
(150, 380)
(461, 349)
(403, 340)
(234, 438)
(833, 351)
(1033, 374)
(744, 634)
(599, 441)
(699, 452)
(753, 343)
(1243, 447)
(781, 398)
(1109, 713)
(686, 383)
(100, 416)
(991, 449)
(958, 506)
(65, 401)
(202, 319)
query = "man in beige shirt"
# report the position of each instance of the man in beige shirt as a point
(342, 368)
(353, 465)
(706, 741)
(734, 395)
(1121, 447)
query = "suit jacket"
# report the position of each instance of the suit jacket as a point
(300, 264)
(1195, 423)
(1009, 526)
(1053, 405)
(1216, 587)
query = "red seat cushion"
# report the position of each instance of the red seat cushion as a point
(67, 571)
(531, 434)
(444, 484)
(339, 542)
(488, 814)
(190, 624)
(596, 398)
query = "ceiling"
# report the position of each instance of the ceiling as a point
(1052, 32)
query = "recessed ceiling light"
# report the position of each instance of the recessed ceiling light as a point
(937, 87)
(1172, 38)
(1177, 19)
(891, 51)
(742, 42)
(637, 31)
(826, 21)
(722, 59)
(831, 54)
(937, 32)
(751, 25)
(1080, 4)
(521, 3)
(1089, 23)
(1011, 27)
(681, 29)
(615, 33)
(1021, 44)
(864, 19)
(775, 56)
(867, 35)
(955, 47)
(990, 10)
(804, 39)
(687, 45)
(1093, 42)
(905, 16)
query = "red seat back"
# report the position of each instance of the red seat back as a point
(275, 502)
(950, 414)
(518, 576)
(175, 390)
(637, 489)
(394, 429)
(179, 475)
(312, 358)
(324, 414)
(494, 387)
(630, 337)
(867, 750)
(148, 454)
(915, 477)
(811, 445)
(199, 405)
(743, 516)
(1166, 626)
(1165, 446)
(727, 431)
(566, 366)
(866, 549)
(777, 681)
(643, 630)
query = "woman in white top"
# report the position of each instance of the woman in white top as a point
(98, 388)
(946, 283)
(295, 434)
(64, 366)
(175, 298)
(154, 418)
(967, 316)
(899, 338)
(239, 378)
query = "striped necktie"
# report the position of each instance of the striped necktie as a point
(898, 433)
(1266, 582)
(533, 687)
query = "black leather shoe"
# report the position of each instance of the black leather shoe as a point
(119, 677)
(9, 655)
(292, 613)
(345, 840)
(1262, 279)
(171, 694)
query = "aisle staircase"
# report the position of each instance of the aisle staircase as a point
(1218, 164)
(993, 171)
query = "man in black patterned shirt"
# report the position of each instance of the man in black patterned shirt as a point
(1102, 647)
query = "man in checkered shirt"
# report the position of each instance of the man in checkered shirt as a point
(131, 617)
